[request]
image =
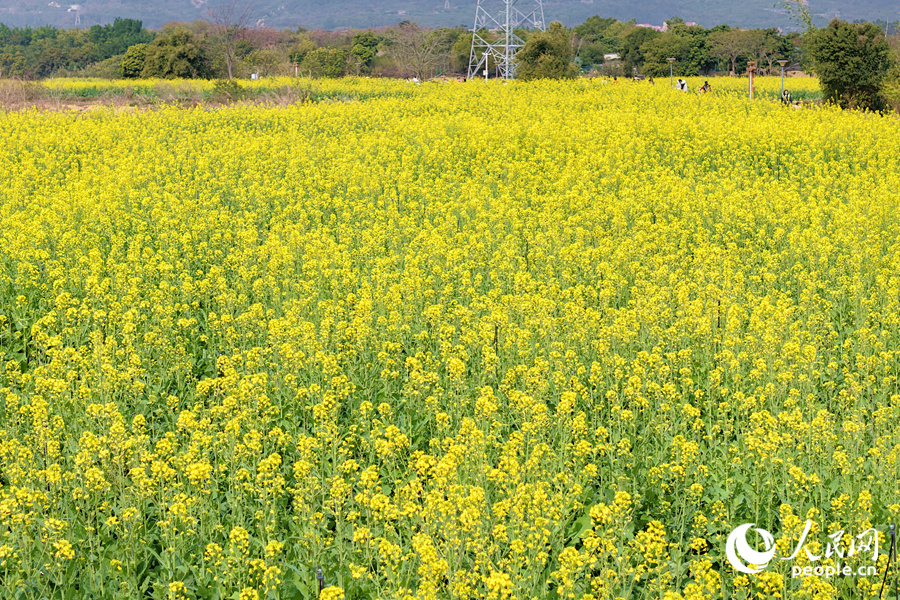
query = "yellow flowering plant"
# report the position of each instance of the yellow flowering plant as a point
(540, 340)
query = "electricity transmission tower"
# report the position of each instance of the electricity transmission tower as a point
(501, 17)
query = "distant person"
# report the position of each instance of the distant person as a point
(615, 79)
(705, 87)
(651, 81)
(786, 98)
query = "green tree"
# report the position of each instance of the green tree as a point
(891, 86)
(12, 63)
(364, 47)
(176, 53)
(730, 45)
(132, 64)
(269, 61)
(668, 45)
(547, 55)
(597, 37)
(325, 62)
(767, 46)
(460, 53)
(851, 60)
(687, 44)
(593, 28)
(301, 48)
(110, 40)
(592, 53)
(633, 47)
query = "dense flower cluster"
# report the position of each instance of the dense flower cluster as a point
(447, 341)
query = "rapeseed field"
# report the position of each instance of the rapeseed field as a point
(549, 340)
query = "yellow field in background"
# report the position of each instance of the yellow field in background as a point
(97, 88)
(550, 340)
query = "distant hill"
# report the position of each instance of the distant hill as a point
(333, 14)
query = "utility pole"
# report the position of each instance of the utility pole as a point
(502, 17)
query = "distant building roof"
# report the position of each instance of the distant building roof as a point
(663, 27)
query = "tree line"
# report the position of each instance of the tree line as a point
(855, 61)
(227, 45)
(34, 53)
